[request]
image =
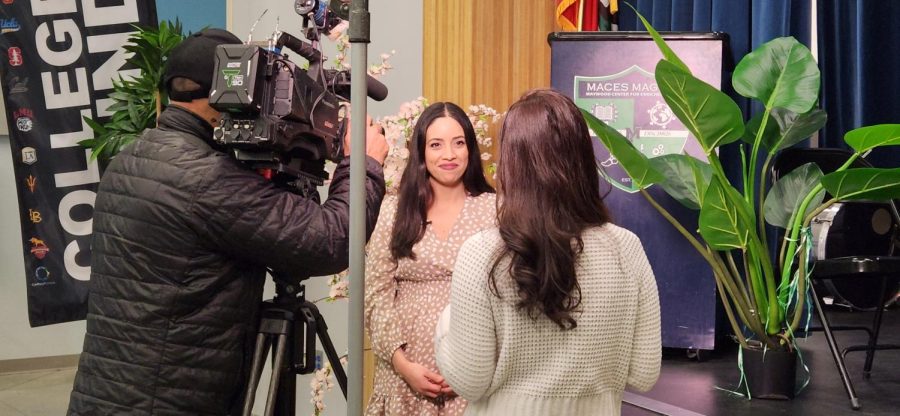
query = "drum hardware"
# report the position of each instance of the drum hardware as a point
(858, 228)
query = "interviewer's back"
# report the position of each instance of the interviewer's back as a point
(542, 369)
(556, 310)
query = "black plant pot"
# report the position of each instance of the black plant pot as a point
(771, 374)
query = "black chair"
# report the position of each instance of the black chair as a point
(856, 264)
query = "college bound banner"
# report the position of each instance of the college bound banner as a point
(60, 58)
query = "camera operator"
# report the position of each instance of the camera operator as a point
(183, 234)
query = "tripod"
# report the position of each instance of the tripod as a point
(281, 330)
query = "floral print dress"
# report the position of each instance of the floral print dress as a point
(404, 300)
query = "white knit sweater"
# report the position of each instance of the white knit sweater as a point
(506, 363)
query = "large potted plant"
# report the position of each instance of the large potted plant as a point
(763, 293)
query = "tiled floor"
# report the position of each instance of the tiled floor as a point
(38, 393)
(46, 393)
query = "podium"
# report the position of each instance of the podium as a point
(610, 74)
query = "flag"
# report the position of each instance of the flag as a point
(567, 14)
(607, 15)
(587, 15)
(590, 15)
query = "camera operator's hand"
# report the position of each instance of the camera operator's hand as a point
(376, 144)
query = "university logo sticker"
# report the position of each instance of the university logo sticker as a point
(31, 182)
(41, 274)
(15, 56)
(9, 25)
(29, 155)
(35, 216)
(39, 248)
(18, 85)
(24, 120)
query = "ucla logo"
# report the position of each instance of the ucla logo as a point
(9, 25)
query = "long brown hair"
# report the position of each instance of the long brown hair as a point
(415, 193)
(549, 193)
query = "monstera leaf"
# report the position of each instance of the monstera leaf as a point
(866, 138)
(751, 130)
(785, 128)
(789, 191)
(708, 113)
(635, 164)
(725, 220)
(781, 73)
(863, 183)
(686, 178)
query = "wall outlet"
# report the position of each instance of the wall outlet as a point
(320, 359)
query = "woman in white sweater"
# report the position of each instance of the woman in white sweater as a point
(556, 311)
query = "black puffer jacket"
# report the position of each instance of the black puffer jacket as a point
(182, 233)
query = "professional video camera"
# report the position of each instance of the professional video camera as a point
(278, 117)
(285, 122)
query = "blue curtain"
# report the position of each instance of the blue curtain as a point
(859, 54)
(748, 23)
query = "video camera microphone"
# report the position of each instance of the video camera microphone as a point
(340, 80)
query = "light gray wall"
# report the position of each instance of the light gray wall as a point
(17, 339)
(396, 25)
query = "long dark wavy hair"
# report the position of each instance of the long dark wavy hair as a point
(415, 193)
(549, 193)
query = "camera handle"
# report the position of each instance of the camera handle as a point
(285, 321)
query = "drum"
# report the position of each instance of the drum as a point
(856, 229)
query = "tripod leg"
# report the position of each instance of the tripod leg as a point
(262, 347)
(333, 358)
(277, 366)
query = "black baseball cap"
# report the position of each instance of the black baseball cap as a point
(194, 59)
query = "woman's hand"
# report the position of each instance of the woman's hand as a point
(419, 378)
(447, 391)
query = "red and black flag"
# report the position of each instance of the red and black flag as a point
(587, 15)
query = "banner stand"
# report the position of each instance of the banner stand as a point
(610, 74)
(61, 60)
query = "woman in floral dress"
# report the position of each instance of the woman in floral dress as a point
(443, 199)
